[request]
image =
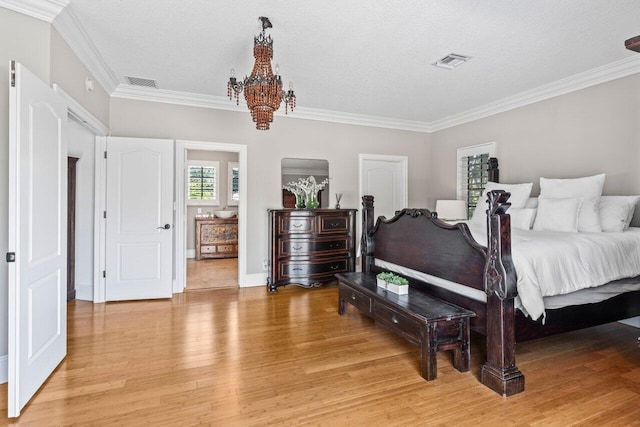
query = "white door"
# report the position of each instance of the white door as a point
(37, 235)
(139, 230)
(384, 178)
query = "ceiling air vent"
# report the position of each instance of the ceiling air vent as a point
(451, 61)
(137, 81)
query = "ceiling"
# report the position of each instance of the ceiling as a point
(369, 60)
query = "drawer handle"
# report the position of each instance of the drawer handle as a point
(297, 269)
(335, 224)
(334, 267)
(394, 320)
(297, 248)
(296, 225)
(353, 296)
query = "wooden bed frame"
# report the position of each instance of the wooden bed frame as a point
(418, 240)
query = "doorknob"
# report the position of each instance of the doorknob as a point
(166, 227)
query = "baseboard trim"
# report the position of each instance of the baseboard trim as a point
(191, 253)
(84, 292)
(4, 369)
(251, 280)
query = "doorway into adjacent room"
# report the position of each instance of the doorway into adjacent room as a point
(212, 201)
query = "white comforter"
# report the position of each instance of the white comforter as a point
(555, 263)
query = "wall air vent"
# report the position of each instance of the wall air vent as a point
(451, 61)
(137, 81)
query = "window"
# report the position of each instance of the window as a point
(202, 183)
(473, 173)
(233, 191)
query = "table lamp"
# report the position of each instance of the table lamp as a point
(451, 209)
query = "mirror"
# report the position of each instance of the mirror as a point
(292, 169)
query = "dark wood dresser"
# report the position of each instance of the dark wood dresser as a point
(216, 238)
(309, 246)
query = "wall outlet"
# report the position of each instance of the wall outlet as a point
(199, 210)
(265, 264)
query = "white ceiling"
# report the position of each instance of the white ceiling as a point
(368, 58)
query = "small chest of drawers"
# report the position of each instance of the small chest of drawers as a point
(308, 247)
(216, 238)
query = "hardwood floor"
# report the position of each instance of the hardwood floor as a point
(242, 357)
(212, 273)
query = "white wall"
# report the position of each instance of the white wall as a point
(288, 137)
(582, 133)
(82, 145)
(224, 158)
(70, 74)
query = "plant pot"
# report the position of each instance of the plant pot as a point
(381, 283)
(398, 289)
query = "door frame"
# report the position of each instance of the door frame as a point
(180, 280)
(82, 115)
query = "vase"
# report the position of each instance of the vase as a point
(312, 201)
(300, 201)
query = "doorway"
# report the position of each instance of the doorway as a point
(224, 260)
(211, 204)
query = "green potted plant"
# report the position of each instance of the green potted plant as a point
(398, 285)
(383, 278)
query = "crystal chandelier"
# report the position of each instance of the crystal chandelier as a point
(262, 88)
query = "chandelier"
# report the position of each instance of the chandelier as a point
(262, 88)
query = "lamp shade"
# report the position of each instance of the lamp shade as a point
(451, 209)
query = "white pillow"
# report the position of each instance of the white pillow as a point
(588, 188)
(557, 214)
(616, 212)
(522, 218)
(532, 202)
(519, 196)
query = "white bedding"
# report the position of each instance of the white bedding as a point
(554, 263)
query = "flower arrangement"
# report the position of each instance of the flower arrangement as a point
(306, 191)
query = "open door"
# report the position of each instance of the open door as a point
(37, 235)
(139, 230)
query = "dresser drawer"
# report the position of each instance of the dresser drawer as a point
(208, 249)
(295, 247)
(334, 224)
(396, 321)
(292, 225)
(357, 299)
(312, 267)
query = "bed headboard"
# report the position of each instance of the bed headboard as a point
(413, 236)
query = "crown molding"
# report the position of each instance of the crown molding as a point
(44, 10)
(223, 103)
(603, 74)
(70, 29)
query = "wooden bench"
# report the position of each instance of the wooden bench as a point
(423, 320)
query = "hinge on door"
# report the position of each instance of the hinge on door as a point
(104, 214)
(104, 273)
(11, 257)
(105, 154)
(13, 73)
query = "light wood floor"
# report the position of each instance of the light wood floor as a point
(212, 273)
(241, 357)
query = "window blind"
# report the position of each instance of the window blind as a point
(475, 174)
(202, 183)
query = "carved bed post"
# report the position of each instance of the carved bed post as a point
(500, 372)
(366, 245)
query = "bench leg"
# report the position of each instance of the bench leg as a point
(461, 354)
(342, 306)
(428, 348)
